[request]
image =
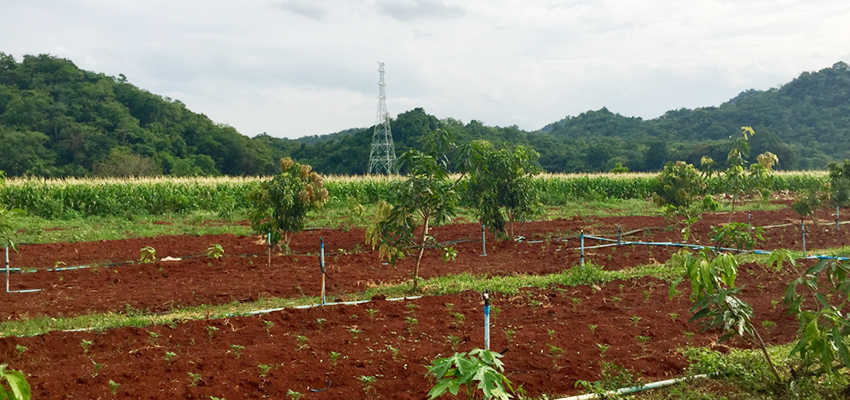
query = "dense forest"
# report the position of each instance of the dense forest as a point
(58, 120)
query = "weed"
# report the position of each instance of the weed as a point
(194, 378)
(237, 350)
(170, 356)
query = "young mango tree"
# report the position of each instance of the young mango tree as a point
(500, 184)
(281, 204)
(425, 196)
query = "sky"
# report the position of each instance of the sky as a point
(295, 68)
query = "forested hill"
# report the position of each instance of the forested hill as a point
(59, 120)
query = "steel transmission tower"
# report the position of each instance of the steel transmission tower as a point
(382, 155)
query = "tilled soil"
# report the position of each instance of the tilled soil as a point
(555, 333)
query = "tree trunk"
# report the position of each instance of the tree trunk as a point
(419, 257)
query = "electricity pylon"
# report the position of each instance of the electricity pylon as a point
(382, 155)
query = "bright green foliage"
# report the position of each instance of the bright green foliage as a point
(215, 251)
(714, 294)
(619, 169)
(839, 179)
(19, 389)
(482, 369)
(810, 199)
(500, 185)
(148, 255)
(818, 299)
(742, 235)
(280, 205)
(680, 187)
(426, 196)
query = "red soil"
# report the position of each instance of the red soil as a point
(59, 367)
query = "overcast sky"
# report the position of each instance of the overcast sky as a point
(302, 67)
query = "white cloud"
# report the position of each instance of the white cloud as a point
(298, 67)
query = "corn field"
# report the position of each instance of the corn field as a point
(66, 198)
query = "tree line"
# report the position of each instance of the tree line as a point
(57, 120)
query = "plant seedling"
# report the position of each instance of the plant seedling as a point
(97, 367)
(646, 295)
(194, 378)
(768, 325)
(211, 330)
(394, 350)
(320, 322)
(621, 286)
(148, 255)
(215, 251)
(555, 352)
(20, 349)
(642, 340)
(170, 356)
(455, 341)
(371, 312)
(269, 325)
(367, 380)
(85, 345)
(635, 320)
(154, 336)
(411, 308)
(495, 311)
(689, 335)
(458, 319)
(113, 386)
(237, 350)
(302, 342)
(602, 349)
(449, 307)
(334, 356)
(616, 300)
(294, 395)
(551, 333)
(411, 322)
(355, 332)
(673, 316)
(593, 328)
(576, 303)
(509, 333)
(264, 369)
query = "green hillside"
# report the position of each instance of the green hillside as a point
(59, 120)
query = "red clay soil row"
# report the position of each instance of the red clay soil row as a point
(394, 345)
(128, 250)
(162, 286)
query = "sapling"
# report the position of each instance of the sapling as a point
(458, 319)
(215, 251)
(411, 322)
(673, 316)
(154, 336)
(113, 386)
(355, 332)
(509, 333)
(576, 303)
(194, 378)
(148, 255)
(237, 350)
(97, 367)
(646, 296)
(264, 369)
(551, 333)
(449, 307)
(411, 308)
(367, 380)
(616, 300)
(642, 340)
(320, 321)
(593, 328)
(211, 330)
(635, 320)
(555, 352)
(269, 325)
(768, 325)
(371, 312)
(294, 395)
(394, 350)
(170, 356)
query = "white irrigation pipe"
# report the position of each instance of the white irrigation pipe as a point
(633, 389)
